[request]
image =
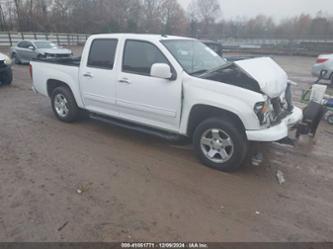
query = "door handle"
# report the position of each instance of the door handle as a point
(124, 81)
(88, 75)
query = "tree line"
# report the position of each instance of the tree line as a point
(202, 19)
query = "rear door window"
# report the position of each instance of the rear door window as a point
(102, 53)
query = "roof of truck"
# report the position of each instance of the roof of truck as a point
(151, 37)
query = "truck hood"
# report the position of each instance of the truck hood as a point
(55, 51)
(271, 78)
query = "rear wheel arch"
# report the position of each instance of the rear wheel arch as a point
(52, 84)
(200, 113)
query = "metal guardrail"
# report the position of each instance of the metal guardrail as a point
(277, 46)
(306, 47)
(242, 42)
(11, 38)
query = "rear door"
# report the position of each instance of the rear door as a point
(98, 77)
(142, 98)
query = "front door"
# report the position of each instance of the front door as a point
(30, 52)
(145, 99)
(25, 51)
(98, 77)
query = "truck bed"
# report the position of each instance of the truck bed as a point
(65, 70)
(70, 61)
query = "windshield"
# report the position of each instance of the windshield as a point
(194, 56)
(45, 44)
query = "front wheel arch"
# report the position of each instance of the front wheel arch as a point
(200, 112)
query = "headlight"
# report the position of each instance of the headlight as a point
(8, 61)
(263, 112)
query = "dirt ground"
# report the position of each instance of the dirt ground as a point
(135, 187)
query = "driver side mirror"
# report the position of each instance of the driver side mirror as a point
(31, 47)
(162, 71)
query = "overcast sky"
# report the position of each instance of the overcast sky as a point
(275, 8)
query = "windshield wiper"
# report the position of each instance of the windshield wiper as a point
(200, 71)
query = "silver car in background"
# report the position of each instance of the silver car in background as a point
(323, 68)
(25, 51)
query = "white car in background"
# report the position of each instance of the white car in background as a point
(323, 68)
(25, 51)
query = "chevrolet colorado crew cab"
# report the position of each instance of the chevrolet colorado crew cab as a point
(174, 86)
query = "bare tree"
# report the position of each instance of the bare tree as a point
(152, 16)
(18, 12)
(207, 13)
(173, 17)
(202, 19)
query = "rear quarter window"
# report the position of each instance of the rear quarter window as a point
(102, 53)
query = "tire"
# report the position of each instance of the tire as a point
(17, 61)
(220, 145)
(6, 77)
(330, 119)
(64, 105)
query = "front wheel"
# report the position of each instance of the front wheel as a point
(220, 145)
(64, 105)
(15, 58)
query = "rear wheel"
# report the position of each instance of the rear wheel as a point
(220, 145)
(64, 105)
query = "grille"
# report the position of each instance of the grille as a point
(281, 108)
(58, 55)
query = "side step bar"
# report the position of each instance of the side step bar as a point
(138, 128)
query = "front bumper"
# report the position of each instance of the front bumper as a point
(277, 132)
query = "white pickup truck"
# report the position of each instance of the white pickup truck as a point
(173, 87)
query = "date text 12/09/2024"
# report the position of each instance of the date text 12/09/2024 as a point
(164, 245)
